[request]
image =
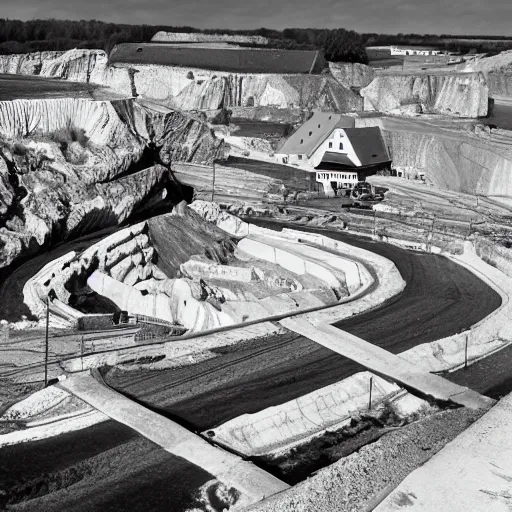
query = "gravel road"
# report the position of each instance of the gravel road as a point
(441, 298)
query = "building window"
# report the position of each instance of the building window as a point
(300, 157)
(341, 145)
(302, 141)
(310, 133)
(330, 144)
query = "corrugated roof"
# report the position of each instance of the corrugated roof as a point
(313, 132)
(230, 59)
(368, 145)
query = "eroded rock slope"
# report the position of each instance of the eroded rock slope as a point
(192, 89)
(461, 95)
(69, 166)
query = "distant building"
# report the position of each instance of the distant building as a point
(413, 51)
(340, 154)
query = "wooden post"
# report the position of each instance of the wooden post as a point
(213, 181)
(82, 351)
(370, 400)
(466, 354)
(46, 342)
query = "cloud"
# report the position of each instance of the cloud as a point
(490, 17)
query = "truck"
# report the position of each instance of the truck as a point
(365, 195)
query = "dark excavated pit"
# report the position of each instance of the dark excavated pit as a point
(106, 467)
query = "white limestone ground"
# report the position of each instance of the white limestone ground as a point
(279, 428)
(473, 472)
(296, 277)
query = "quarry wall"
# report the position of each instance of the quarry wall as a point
(72, 165)
(472, 160)
(497, 69)
(190, 88)
(450, 163)
(352, 74)
(461, 95)
(26, 63)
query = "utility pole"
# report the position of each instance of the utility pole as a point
(213, 181)
(46, 341)
(50, 296)
(370, 400)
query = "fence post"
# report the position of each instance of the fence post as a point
(370, 400)
(82, 352)
(466, 354)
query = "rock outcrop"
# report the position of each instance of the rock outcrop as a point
(461, 95)
(69, 166)
(26, 63)
(352, 74)
(497, 70)
(472, 162)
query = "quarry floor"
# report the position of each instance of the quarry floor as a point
(109, 468)
(13, 87)
(246, 380)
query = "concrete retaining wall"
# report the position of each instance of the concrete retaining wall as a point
(277, 428)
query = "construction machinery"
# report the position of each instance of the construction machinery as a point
(364, 195)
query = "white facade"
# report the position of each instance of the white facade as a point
(344, 180)
(336, 142)
(413, 51)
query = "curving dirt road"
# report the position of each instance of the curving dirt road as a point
(441, 298)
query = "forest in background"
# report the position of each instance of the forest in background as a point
(58, 35)
(338, 44)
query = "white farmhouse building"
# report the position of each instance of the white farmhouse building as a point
(395, 50)
(340, 154)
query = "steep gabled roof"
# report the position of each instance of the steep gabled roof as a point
(368, 145)
(313, 132)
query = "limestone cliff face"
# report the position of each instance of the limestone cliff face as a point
(200, 89)
(462, 95)
(195, 89)
(352, 74)
(462, 164)
(69, 166)
(497, 69)
(26, 63)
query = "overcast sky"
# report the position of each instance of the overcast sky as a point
(491, 17)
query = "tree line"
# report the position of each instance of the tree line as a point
(338, 44)
(59, 35)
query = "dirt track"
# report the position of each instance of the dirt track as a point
(441, 299)
(107, 467)
(13, 87)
